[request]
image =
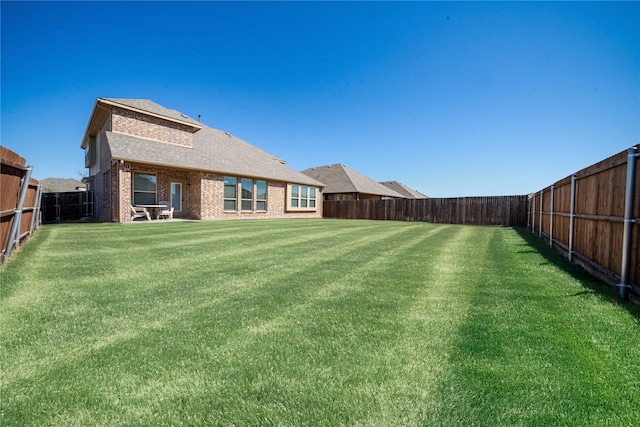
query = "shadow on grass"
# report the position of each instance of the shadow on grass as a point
(592, 285)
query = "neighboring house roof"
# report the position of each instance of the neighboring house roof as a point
(404, 190)
(341, 179)
(212, 151)
(60, 185)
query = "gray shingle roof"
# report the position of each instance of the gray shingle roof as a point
(152, 107)
(404, 190)
(342, 179)
(212, 151)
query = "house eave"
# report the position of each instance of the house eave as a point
(217, 172)
(96, 119)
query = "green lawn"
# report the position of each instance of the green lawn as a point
(309, 322)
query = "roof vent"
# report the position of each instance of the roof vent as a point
(227, 133)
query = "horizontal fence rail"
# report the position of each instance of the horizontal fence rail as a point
(594, 216)
(19, 202)
(498, 211)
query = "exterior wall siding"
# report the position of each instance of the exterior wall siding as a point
(133, 123)
(103, 197)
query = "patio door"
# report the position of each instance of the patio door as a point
(177, 198)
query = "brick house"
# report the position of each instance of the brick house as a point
(139, 152)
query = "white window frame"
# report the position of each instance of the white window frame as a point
(225, 199)
(300, 203)
(243, 200)
(266, 195)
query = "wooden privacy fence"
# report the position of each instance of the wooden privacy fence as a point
(19, 202)
(498, 210)
(594, 216)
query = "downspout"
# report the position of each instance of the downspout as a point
(17, 218)
(572, 215)
(628, 223)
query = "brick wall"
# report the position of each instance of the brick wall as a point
(144, 126)
(212, 205)
(125, 178)
(204, 197)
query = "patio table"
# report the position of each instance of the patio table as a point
(155, 210)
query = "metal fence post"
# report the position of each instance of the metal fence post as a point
(551, 218)
(36, 210)
(58, 207)
(533, 213)
(572, 215)
(540, 228)
(628, 223)
(14, 234)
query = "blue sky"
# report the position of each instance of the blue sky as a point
(449, 98)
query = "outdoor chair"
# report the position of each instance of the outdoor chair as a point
(139, 212)
(166, 212)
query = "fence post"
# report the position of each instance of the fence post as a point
(572, 215)
(17, 218)
(533, 213)
(540, 228)
(628, 223)
(551, 217)
(58, 207)
(36, 210)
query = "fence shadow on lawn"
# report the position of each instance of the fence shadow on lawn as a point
(592, 285)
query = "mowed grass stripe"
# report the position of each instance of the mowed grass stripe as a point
(441, 300)
(146, 298)
(543, 344)
(304, 322)
(147, 293)
(347, 255)
(292, 339)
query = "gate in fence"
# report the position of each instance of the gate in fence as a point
(67, 206)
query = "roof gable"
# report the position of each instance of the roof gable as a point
(342, 179)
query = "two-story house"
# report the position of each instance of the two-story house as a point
(140, 153)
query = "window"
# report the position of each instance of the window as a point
(253, 194)
(247, 194)
(302, 197)
(295, 196)
(230, 193)
(144, 188)
(261, 195)
(90, 153)
(312, 197)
